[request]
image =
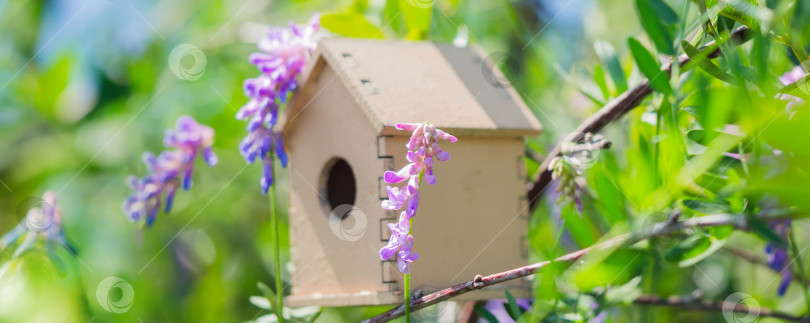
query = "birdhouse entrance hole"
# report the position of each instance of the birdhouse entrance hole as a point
(338, 185)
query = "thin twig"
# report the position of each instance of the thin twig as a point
(659, 229)
(612, 111)
(703, 305)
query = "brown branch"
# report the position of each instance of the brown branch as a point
(659, 229)
(702, 305)
(615, 109)
(598, 143)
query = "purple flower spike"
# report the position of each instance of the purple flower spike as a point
(778, 256)
(423, 147)
(169, 169)
(284, 54)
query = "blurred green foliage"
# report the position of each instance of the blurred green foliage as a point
(86, 87)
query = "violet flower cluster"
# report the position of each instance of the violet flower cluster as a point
(778, 256)
(569, 166)
(44, 220)
(284, 54)
(423, 147)
(169, 170)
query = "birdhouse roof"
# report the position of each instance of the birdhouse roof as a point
(405, 81)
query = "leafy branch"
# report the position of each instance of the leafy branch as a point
(619, 107)
(670, 226)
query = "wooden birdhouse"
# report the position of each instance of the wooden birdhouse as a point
(340, 136)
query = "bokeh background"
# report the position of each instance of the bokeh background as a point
(86, 86)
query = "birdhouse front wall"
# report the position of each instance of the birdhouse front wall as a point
(336, 263)
(473, 221)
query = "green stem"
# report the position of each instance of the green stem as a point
(407, 298)
(800, 264)
(276, 245)
(407, 277)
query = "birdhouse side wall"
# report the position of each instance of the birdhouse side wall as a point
(474, 220)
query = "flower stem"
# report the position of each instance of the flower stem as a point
(407, 298)
(407, 276)
(276, 246)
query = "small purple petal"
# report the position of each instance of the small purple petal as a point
(187, 177)
(282, 155)
(408, 126)
(399, 176)
(209, 156)
(429, 177)
(445, 136)
(413, 204)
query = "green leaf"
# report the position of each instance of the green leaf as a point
(599, 79)
(695, 256)
(701, 60)
(607, 54)
(694, 111)
(742, 12)
(625, 293)
(417, 18)
(664, 12)
(268, 293)
(706, 207)
(711, 182)
(583, 83)
(654, 28)
(513, 309)
(392, 17)
(648, 65)
(350, 24)
(359, 6)
(484, 314)
(677, 252)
